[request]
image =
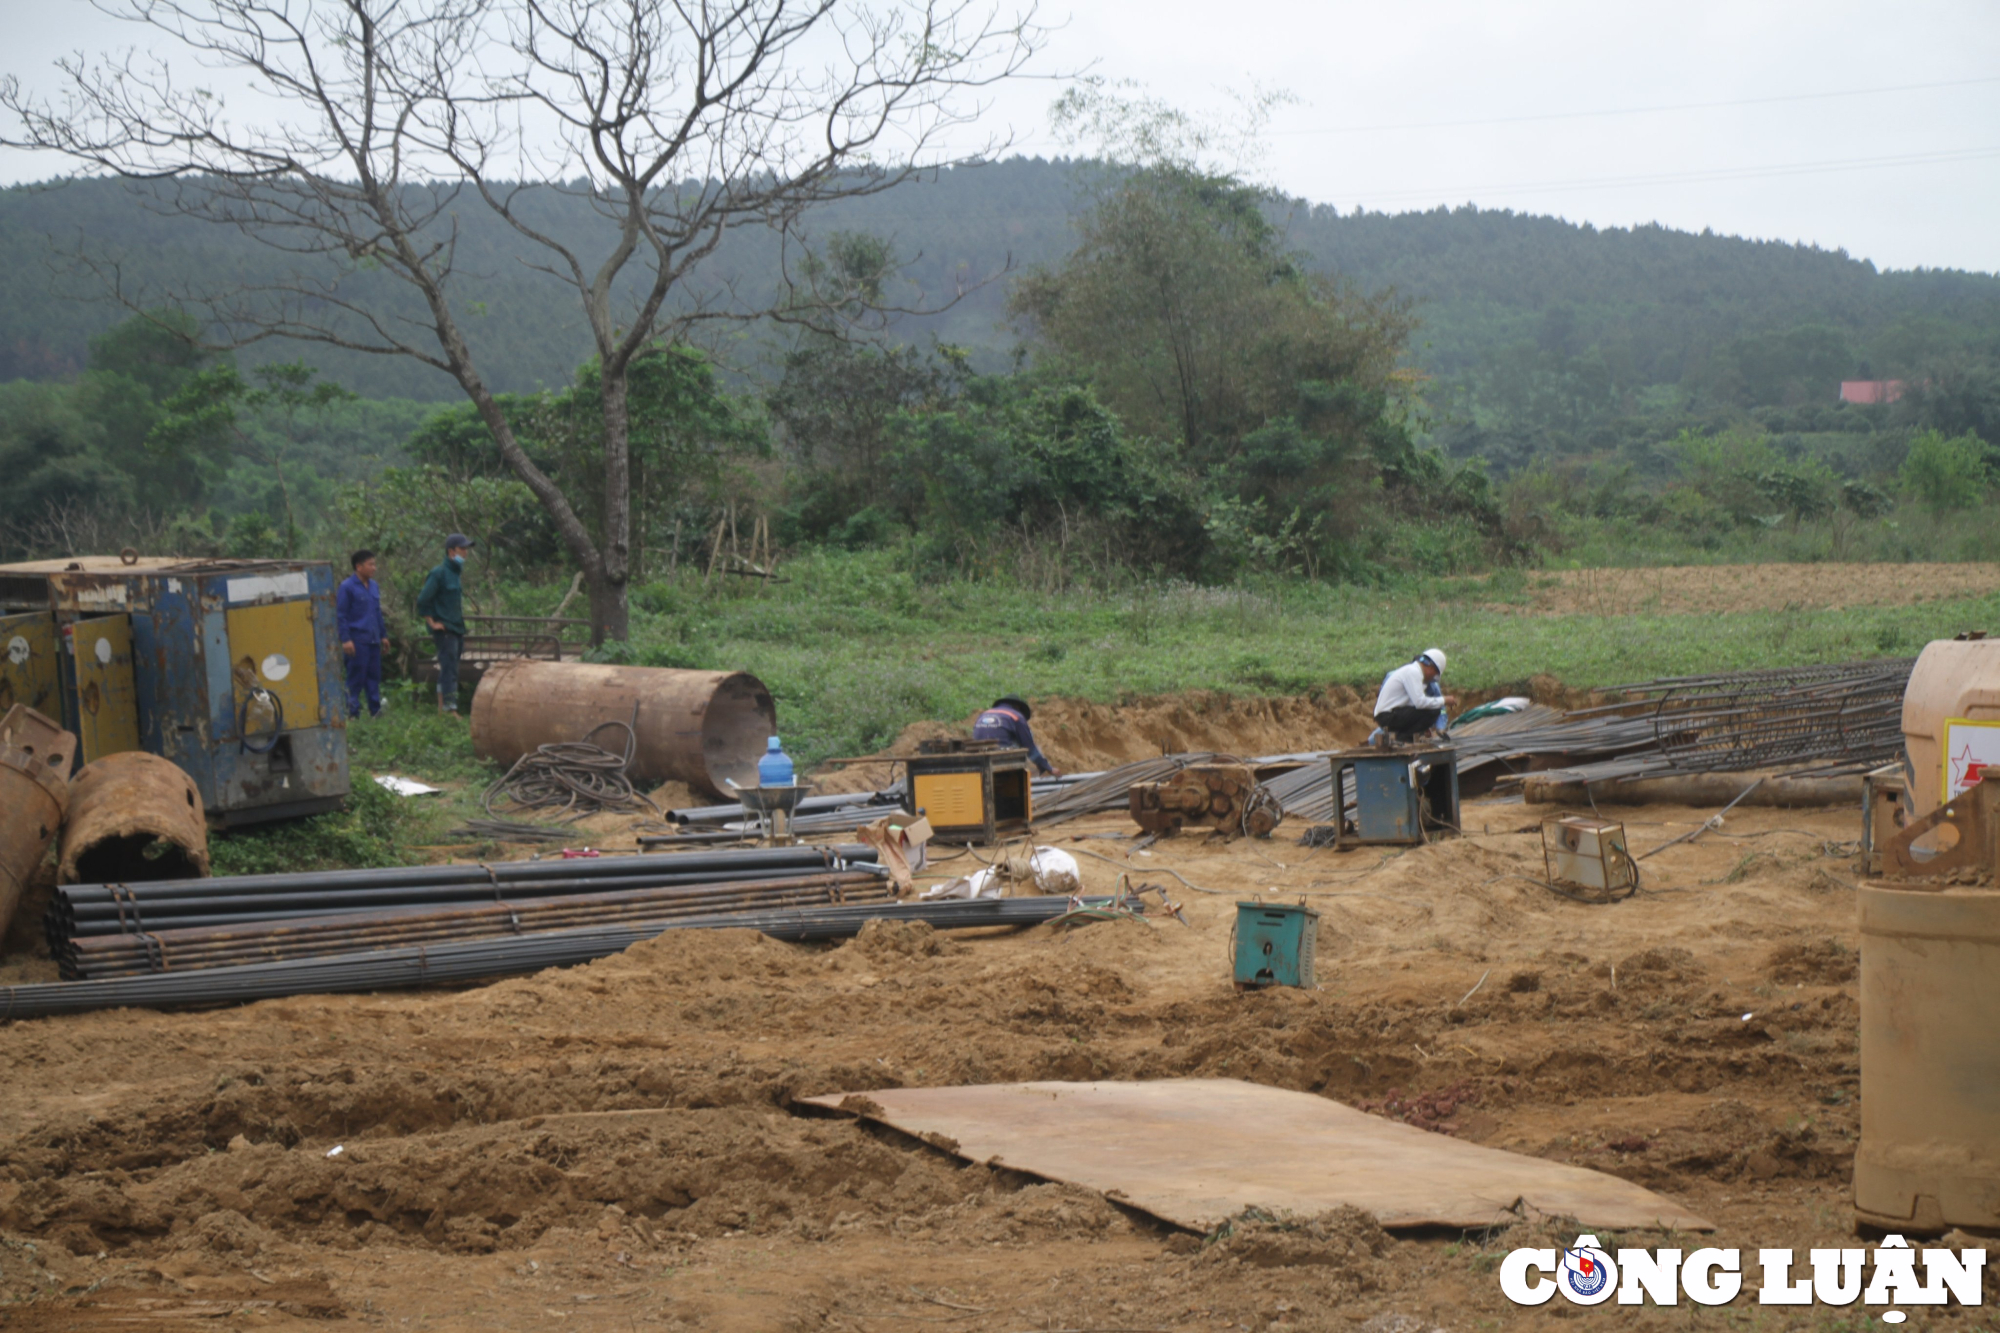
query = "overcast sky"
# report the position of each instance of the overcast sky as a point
(1855, 124)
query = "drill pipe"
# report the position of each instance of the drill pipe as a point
(478, 960)
(312, 937)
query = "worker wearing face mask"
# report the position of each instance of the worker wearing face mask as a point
(442, 605)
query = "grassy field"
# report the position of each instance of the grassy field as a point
(855, 649)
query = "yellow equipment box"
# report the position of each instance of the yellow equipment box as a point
(971, 795)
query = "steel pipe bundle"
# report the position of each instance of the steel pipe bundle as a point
(479, 960)
(84, 910)
(187, 949)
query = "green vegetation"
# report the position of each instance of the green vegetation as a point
(855, 647)
(377, 828)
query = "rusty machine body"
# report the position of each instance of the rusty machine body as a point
(1224, 797)
(231, 669)
(35, 759)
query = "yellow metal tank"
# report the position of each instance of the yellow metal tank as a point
(1954, 679)
(1930, 1067)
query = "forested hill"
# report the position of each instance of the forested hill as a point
(1504, 297)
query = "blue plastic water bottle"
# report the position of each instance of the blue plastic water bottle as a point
(775, 768)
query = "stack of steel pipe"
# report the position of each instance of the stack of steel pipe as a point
(84, 910)
(187, 949)
(479, 960)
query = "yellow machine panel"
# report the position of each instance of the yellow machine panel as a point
(107, 699)
(950, 799)
(29, 672)
(272, 647)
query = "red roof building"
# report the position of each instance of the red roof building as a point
(1870, 391)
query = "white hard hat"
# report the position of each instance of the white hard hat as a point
(1435, 656)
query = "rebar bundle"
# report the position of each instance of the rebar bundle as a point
(480, 960)
(84, 910)
(192, 948)
(1814, 720)
(1111, 789)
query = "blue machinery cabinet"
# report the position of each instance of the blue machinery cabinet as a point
(1275, 944)
(1399, 797)
(230, 668)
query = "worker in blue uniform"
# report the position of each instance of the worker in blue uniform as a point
(1007, 721)
(357, 609)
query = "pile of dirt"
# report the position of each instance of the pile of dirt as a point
(1080, 736)
(1346, 1239)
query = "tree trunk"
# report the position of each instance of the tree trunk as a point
(610, 613)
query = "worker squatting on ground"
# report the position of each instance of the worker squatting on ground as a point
(1007, 720)
(357, 606)
(1411, 700)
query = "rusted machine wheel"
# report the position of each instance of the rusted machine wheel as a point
(35, 756)
(133, 816)
(697, 727)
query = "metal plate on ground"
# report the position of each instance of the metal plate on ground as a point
(1196, 1151)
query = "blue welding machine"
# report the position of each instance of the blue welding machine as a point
(1395, 797)
(1274, 945)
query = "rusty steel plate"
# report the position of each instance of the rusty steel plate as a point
(1196, 1151)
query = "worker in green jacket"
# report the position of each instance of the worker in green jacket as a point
(442, 605)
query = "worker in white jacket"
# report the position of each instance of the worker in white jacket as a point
(1412, 701)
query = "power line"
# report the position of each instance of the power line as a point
(1687, 177)
(1633, 111)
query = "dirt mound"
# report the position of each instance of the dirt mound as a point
(1347, 1239)
(1774, 587)
(1084, 737)
(1817, 963)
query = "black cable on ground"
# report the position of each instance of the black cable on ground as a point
(571, 780)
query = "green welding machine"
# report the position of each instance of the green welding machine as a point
(1274, 945)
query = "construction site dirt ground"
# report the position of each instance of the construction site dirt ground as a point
(619, 1145)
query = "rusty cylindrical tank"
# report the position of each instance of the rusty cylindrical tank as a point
(133, 816)
(697, 727)
(1929, 1156)
(1953, 678)
(35, 756)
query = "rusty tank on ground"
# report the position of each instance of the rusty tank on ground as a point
(697, 727)
(133, 816)
(35, 758)
(1929, 1157)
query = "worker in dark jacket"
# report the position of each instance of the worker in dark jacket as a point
(442, 605)
(1007, 721)
(357, 607)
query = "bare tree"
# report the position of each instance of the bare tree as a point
(677, 122)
